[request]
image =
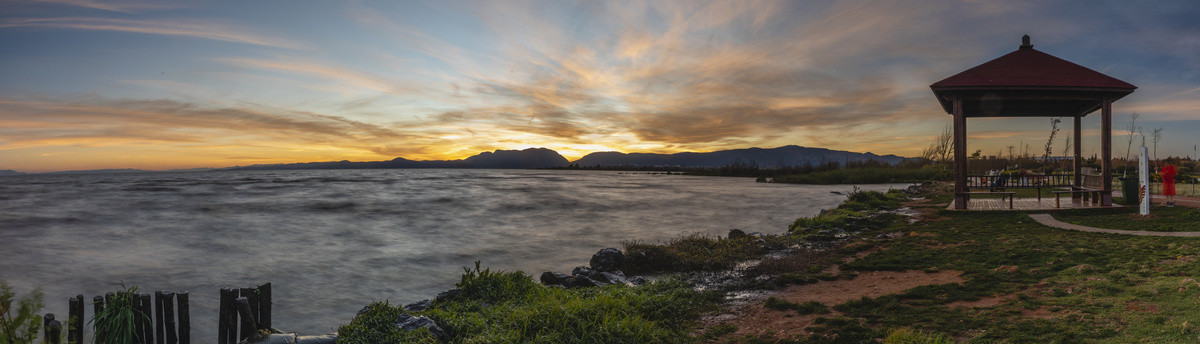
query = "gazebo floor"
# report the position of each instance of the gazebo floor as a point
(1046, 203)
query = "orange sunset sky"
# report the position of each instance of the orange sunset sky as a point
(88, 84)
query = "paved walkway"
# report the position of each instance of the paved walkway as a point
(1048, 220)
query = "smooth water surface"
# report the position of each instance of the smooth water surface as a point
(332, 241)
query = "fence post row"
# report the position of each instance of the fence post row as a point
(243, 312)
(167, 308)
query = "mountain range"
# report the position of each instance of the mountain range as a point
(546, 158)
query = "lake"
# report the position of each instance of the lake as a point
(333, 241)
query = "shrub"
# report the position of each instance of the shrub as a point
(509, 307)
(811, 307)
(116, 323)
(690, 253)
(21, 328)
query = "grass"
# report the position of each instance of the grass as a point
(690, 253)
(509, 307)
(810, 307)
(1161, 219)
(116, 323)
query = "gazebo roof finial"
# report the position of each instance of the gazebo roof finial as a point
(1025, 42)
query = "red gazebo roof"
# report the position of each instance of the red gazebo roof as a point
(1031, 68)
(1028, 82)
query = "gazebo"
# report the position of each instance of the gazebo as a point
(1030, 83)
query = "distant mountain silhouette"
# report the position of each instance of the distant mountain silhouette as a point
(763, 157)
(513, 159)
(9, 173)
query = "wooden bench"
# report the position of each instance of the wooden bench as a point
(1091, 185)
(1002, 194)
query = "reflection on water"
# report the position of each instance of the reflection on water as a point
(332, 241)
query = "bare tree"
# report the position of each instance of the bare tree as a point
(1067, 150)
(941, 148)
(1128, 147)
(1050, 141)
(1010, 152)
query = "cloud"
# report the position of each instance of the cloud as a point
(175, 27)
(92, 121)
(113, 6)
(341, 75)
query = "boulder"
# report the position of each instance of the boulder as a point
(615, 277)
(448, 295)
(735, 234)
(582, 271)
(554, 278)
(417, 306)
(413, 323)
(581, 281)
(638, 280)
(608, 259)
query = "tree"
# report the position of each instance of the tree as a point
(1050, 141)
(1133, 128)
(942, 146)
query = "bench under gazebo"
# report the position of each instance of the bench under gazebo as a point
(1031, 83)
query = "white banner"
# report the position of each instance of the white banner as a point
(1143, 181)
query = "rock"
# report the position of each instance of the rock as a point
(322, 339)
(735, 234)
(413, 323)
(448, 295)
(554, 278)
(582, 270)
(289, 338)
(615, 277)
(581, 281)
(608, 259)
(638, 280)
(417, 306)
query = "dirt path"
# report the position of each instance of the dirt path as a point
(1048, 220)
(755, 319)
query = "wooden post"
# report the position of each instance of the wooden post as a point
(52, 329)
(97, 304)
(75, 320)
(960, 155)
(264, 306)
(145, 324)
(249, 324)
(229, 317)
(139, 328)
(252, 298)
(222, 315)
(168, 305)
(1106, 153)
(159, 335)
(246, 327)
(185, 319)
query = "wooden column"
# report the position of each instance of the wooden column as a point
(1106, 152)
(960, 156)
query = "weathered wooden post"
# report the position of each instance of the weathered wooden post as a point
(168, 306)
(145, 326)
(52, 329)
(75, 320)
(245, 329)
(249, 324)
(159, 336)
(185, 319)
(139, 328)
(264, 305)
(227, 318)
(97, 304)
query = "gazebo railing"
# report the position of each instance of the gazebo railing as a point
(1020, 181)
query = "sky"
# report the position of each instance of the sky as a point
(91, 84)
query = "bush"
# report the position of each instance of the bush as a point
(690, 253)
(23, 327)
(116, 323)
(860, 211)
(509, 307)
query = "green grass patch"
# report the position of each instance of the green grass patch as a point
(911, 336)
(1161, 219)
(810, 307)
(509, 307)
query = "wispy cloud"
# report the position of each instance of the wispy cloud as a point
(225, 32)
(112, 5)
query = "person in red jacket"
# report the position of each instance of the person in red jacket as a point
(1168, 176)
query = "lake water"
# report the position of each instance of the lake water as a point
(333, 241)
